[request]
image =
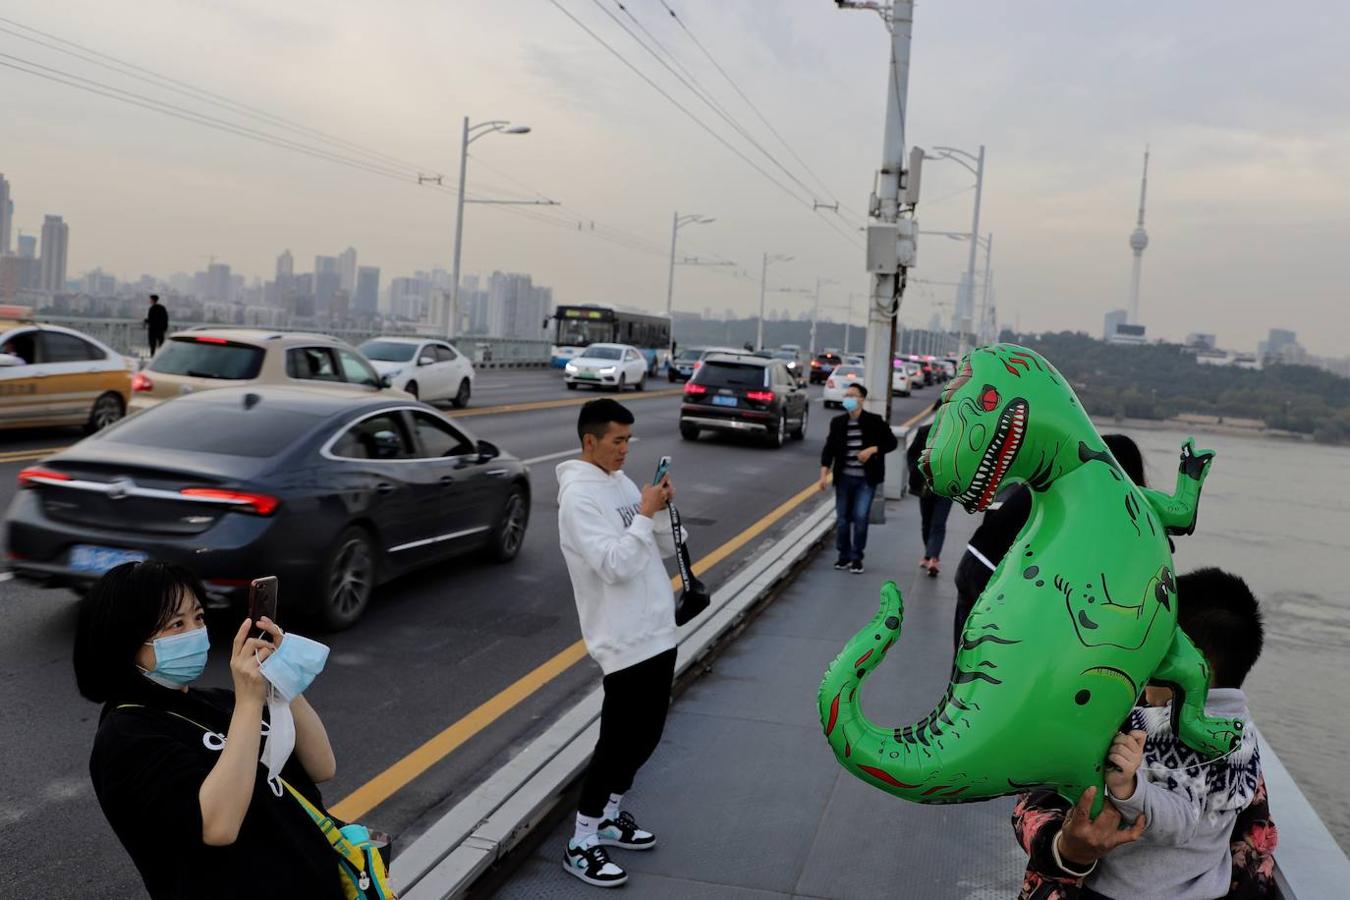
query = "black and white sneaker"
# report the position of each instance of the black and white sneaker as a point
(589, 862)
(840, 564)
(856, 567)
(624, 832)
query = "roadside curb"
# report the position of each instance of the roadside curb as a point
(497, 815)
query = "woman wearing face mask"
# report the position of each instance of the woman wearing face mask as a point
(176, 768)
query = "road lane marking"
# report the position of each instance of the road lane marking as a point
(553, 404)
(393, 779)
(6, 576)
(27, 455)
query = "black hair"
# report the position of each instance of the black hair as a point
(154, 297)
(1126, 452)
(596, 415)
(857, 386)
(119, 614)
(1219, 613)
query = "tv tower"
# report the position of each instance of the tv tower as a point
(1138, 243)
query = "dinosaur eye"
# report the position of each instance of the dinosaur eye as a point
(989, 399)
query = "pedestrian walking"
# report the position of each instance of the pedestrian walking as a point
(613, 539)
(176, 767)
(156, 324)
(855, 453)
(933, 508)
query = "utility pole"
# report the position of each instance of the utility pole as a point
(888, 275)
(969, 305)
(984, 336)
(763, 284)
(848, 322)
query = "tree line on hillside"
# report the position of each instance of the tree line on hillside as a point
(1158, 381)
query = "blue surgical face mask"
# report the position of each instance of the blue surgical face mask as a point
(294, 665)
(850, 403)
(179, 658)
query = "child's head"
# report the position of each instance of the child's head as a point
(1220, 615)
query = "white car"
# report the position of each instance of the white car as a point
(431, 370)
(905, 376)
(607, 365)
(839, 381)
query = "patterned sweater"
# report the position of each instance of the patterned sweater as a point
(1209, 829)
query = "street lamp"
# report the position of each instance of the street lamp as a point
(679, 222)
(975, 165)
(815, 313)
(763, 280)
(471, 134)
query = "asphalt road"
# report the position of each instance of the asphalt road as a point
(431, 650)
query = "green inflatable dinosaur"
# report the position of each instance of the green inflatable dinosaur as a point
(1076, 618)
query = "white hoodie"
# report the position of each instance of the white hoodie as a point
(623, 594)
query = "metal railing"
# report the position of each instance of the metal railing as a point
(129, 336)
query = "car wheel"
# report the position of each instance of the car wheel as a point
(412, 389)
(571, 385)
(642, 383)
(462, 395)
(107, 410)
(510, 534)
(778, 437)
(688, 432)
(623, 382)
(799, 433)
(348, 579)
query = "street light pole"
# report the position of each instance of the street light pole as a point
(974, 246)
(763, 284)
(815, 312)
(677, 223)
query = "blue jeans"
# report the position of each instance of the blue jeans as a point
(852, 506)
(933, 512)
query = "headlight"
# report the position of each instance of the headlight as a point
(570, 368)
(608, 370)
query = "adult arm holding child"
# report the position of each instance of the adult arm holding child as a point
(1173, 815)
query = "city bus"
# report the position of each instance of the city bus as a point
(577, 327)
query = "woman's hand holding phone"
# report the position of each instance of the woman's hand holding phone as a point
(246, 657)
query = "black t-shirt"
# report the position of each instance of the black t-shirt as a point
(148, 767)
(157, 318)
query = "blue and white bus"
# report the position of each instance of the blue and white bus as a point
(577, 327)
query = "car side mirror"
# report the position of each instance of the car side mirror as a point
(426, 360)
(386, 382)
(487, 450)
(9, 359)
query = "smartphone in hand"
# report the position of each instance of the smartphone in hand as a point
(262, 601)
(662, 470)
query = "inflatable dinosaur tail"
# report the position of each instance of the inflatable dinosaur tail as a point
(889, 758)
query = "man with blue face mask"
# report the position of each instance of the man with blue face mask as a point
(855, 453)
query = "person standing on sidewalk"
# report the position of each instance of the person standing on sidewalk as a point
(156, 324)
(933, 508)
(855, 452)
(613, 537)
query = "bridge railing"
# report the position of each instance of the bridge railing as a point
(129, 336)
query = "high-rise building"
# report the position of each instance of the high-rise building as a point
(347, 269)
(1138, 243)
(408, 297)
(55, 243)
(219, 286)
(324, 264)
(6, 215)
(326, 285)
(1114, 319)
(27, 246)
(285, 270)
(366, 301)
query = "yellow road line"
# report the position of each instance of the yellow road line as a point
(550, 404)
(396, 777)
(26, 455)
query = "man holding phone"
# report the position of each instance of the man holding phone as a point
(613, 538)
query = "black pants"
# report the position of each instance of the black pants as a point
(971, 578)
(156, 341)
(631, 721)
(933, 512)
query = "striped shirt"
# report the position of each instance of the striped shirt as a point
(852, 466)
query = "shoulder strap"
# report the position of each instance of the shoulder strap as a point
(167, 712)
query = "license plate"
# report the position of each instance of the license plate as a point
(97, 560)
(724, 401)
(589, 376)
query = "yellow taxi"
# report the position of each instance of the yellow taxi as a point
(51, 375)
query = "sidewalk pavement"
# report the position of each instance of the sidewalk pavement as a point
(744, 794)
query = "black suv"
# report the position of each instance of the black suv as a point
(745, 393)
(823, 365)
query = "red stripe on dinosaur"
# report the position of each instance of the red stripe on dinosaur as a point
(834, 714)
(1019, 361)
(864, 658)
(882, 776)
(848, 749)
(888, 645)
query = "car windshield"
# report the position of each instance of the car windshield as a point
(603, 353)
(208, 358)
(849, 372)
(690, 354)
(388, 351)
(231, 429)
(732, 375)
(783, 354)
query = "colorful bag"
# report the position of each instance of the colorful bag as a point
(363, 873)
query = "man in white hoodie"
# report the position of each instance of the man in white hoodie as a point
(613, 538)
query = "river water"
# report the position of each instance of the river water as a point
(1278, 514)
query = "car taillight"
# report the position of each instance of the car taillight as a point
(260, 504)
(37, 474)
(140, 382)
(759, 396)
(694, 389)
(210, 340)
(697, 364)
(815, 364)
(829, 382)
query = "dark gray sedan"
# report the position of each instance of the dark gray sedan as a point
(332, 493)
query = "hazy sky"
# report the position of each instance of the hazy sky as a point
(1246, 106)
